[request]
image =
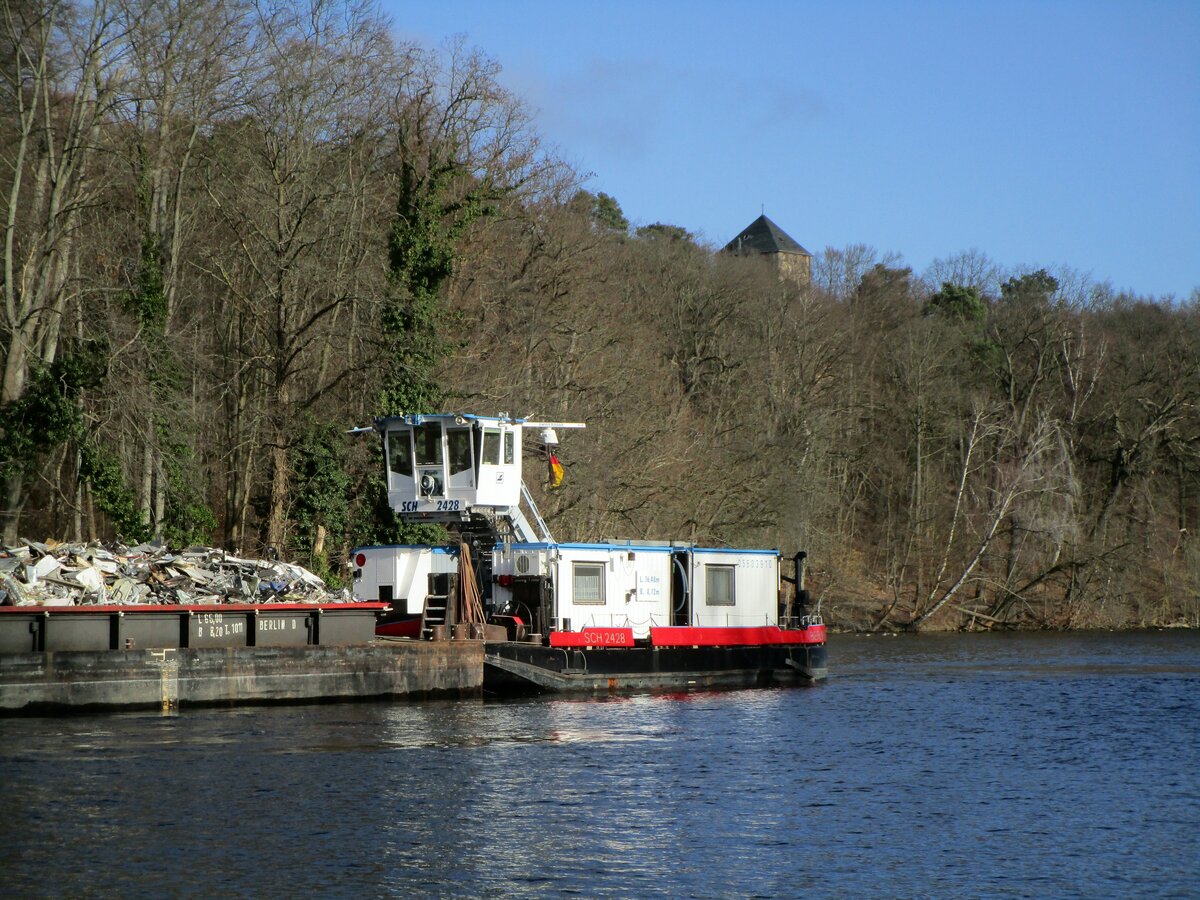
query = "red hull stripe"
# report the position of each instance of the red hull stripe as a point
(735, 637)
(409, 628)
(593, 637)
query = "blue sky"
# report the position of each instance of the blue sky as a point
(1040, 133)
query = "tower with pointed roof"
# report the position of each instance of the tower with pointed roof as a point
(765, 239)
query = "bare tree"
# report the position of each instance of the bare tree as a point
(839, 271)
(969, 268)
(183, 59)
(984, 450)
(290, 188)
(63, 77)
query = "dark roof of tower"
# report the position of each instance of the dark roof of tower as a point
(764, 236)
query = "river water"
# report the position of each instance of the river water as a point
(932, 766)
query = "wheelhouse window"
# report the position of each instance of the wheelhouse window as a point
(400, 453)
(718, 586)
(589, 583)
(508, 448)
(458, 443)
(491, 447)
(428, 441)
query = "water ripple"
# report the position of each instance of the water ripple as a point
(949, 766)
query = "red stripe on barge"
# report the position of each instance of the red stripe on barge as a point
(677, 636)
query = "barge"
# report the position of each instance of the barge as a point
(57, 658)
(609, 616)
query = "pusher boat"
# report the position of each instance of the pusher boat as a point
(609, 616)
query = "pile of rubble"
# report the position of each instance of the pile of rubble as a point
(57, 574)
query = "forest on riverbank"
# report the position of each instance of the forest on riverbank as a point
(233, 232)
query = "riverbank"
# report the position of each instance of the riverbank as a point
(1015, 631)
(857, 610)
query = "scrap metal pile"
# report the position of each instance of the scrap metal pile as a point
(65, 574)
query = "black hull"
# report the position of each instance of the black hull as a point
(517, 667)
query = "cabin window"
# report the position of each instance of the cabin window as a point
(491, 447)
(508, 448)
(458, 442)
(400, 453)
(589, 583)
(428, 440)
(718, 586)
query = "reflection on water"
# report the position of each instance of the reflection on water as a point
(987, 765)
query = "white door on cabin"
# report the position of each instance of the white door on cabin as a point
(499, 476)
(460, 460)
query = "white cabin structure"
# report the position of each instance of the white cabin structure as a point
(587, 585)
(733, 588)
(466, 471)
(455, 468)
(399, 574)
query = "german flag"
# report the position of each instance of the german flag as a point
(556, 473)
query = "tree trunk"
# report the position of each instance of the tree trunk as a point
(13, 489)
(160, 495)
(146, 494)
(277, 518)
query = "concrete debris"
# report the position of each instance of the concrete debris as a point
(66, 574)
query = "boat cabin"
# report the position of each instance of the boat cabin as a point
(456, 469)
(402, 575)
(568, 587)
(440, 467)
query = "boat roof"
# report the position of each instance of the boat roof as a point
(644, 546)
(641, 546)
(383, 422)
(433, 548)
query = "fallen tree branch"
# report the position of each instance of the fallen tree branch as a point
(978, 615)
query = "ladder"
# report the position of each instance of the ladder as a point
(433, 614)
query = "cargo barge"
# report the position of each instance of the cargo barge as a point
(49, 629)
(147, 656)
(610, 616)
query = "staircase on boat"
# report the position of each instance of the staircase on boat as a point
(437, 609)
